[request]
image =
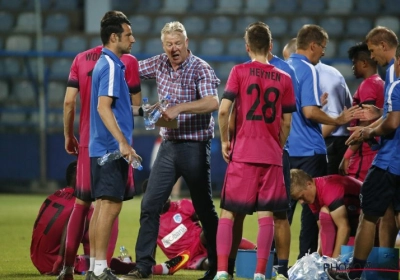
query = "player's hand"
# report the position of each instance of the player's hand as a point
(226, 150)
(366, 133)
(368, 113)
(324, 99)
(71, 145)
(128, 152)
(57, 266)
(348, 114)
(344, 166)
(356, 136)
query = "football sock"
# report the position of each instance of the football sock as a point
(112, 241)
(327, 233)
(75, 231)
(99, 267)
(264, 241)
(224, 242)
(283, 267)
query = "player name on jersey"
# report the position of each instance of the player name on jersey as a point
(266, 75)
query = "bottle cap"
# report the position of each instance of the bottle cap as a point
(145, 99)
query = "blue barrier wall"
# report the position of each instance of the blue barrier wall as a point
(20, 158)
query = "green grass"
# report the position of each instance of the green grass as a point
(18, 213)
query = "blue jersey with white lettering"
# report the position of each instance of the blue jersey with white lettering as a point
(305, 138)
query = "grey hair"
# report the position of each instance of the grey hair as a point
(171, 27)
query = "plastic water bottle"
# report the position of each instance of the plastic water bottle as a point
(156, 114)
(136, 163)
(109, 157)
(124, 254)
(146, 112)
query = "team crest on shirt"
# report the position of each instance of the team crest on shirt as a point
(177, 218)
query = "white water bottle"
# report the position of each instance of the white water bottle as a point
(156, 114)
(146, 112)
(124, 254)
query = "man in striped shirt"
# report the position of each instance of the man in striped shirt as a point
(185, 151)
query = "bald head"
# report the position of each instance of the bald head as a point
(289, 48)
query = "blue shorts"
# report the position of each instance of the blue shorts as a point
(110, 179)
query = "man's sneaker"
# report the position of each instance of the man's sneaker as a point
(177, 262)
(89, 275)
(222, 276)
(64, 275)
(136, 274)
(106, 275)
(279, 277)
(259, 276)
(339, 275)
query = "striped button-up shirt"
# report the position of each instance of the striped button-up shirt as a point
(193, 80)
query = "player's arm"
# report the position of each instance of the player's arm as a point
(344, 164)
(356, 136)
(232, 121)
(388, 125)
(339, 217)
(71, 143)
(108, 118)
(314, 113)
(58, 264)
(223, 121)
(285, 128)
(136, 99)
(204, 105)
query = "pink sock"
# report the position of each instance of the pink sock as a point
(246, 244)
(264, 242)
(327, 233)
(75, 231)
(113, 241)
(224, 243)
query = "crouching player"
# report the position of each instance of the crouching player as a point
(335, 202)
(49, 230)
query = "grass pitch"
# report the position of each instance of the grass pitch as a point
(18, 213)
